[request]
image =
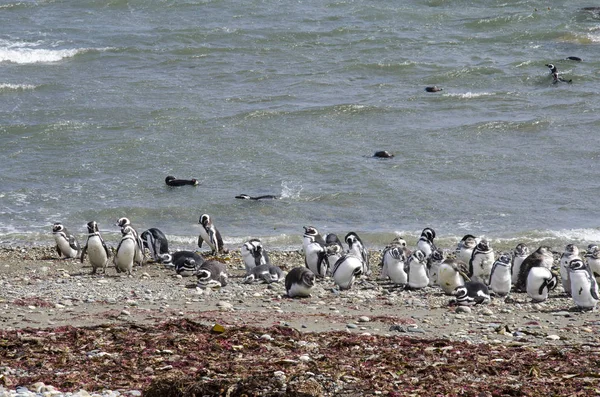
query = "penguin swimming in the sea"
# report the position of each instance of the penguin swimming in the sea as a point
(96, 249)
(555, 75)
(172, 181)
(66, 243)
(256, 198)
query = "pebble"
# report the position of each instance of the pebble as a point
(351, 326)
(553, 337)
(267, 337)
(463, 309)
(364, 319)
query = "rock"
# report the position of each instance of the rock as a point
(463, 309)
(266, 337)
(553, 337)
(364, 319)
(351, 326)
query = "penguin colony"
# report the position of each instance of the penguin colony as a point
(472, 272)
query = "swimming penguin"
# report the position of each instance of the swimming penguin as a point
(210, 234)
(465, 248)
(394, 262)
(187, 266)
(482, 259)
(452, 274)
(433, 266)
(212, 274)
(542, 257)
(265, 273)
(500, 276)
(592, 257)
(571, 252)
(66, 243)
(253, 254)
(140, 255)
(555, 75)
(156, 242)
(356, 247)
(472, 293)
(299, 282)
(96, 249)
(126, 251)
(584, 288)
(520, 252)
(540, 281)
(172, 181)
(425, 243)
(263, 197)
(346, 270)
(573, 58)
(383, 154)
(417, 271)
(433, 89)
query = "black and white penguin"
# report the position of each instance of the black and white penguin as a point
(356, 247)
(187, 266)
(315, 256)
(264, 273)
(96, 249)
(253, 254)
(346, 270)
(210, 234)
(172, 260)
(156, 242)
(311, 234)
(256, 198)
(592, 257)
(66, 243)
(140, 255)
(417, 271)
(571, 252)
(472, 293)
(212, 274)
(542, 257)
(425, 243)
(465, 248)
(452, 274)
(394, 262)
(172, 181)
(126, 251)
(520, 252)
(584, 288)
(333, 250)
(555, 75)
(383, 154)
(433, 88)
(433, 265)
(299, 282)
(500, 276)
(482, 259)
(540, 281)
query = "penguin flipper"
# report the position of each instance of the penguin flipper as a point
(83, 251)
(200, 241)
(74, 244)
(59, 251)
(108, 251)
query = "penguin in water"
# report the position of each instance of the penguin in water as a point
(356, 247)
(210, 234)
(592, 256)
(425, 243)
(346, 270)
(584, 288)
(299, 282)
(394, 264)
(253, 254)
(315, 256)
(500, 276)
(140, 256)
(156, 242)
(452, 274)
(265, 273)
(482, 259)
(555, 75)
(417, 271)
(540, 281)
(66, 243)
(472, 293)
(256, 198)
(571, 252)
(126, 251)
(542, 257)
(520, 252)
(212, 274)
(172, 181)
(96, 249)
(465, 248)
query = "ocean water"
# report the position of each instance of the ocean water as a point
(101, 100)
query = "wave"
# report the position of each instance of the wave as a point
(28, 55)
(16, 87)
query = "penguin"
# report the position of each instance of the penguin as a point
(256, 198)
(346, 269)
(266, 273)
(172, 181)
(571, 252)
(465, 248)
(592, 257)
(555, 75)
(520, 252)
(540, 281)
(584, 288)
(299, 282)
(126, 251)
(254, 254)
(333, 250)
(311, 234)
(156, 242)
(212, 274)
(315, 256)
(482, 259)
(172, 260)
(140, 256)
(433, 89)
(433, 266)
(96, 249)
(417, 271)
(452, 274)
(66, 243)
(394, 264)
(356, 247)
(383, 154)
(542, 257)
(210, 234)
(425, 243)
(500, 276)
(472, 293)
(187, 266)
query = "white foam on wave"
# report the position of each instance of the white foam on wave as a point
(30, 55)
(291, 189)
(16, 87)
(470, 95)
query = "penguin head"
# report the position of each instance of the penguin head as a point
(551, 67)
(571, 249)
(592, 251)
(308, 278)
(483, 245)
(241, 196)
(428, 233)
(169, 179)
(204, 220)
(437, 255)
(351, 239)
(122, 222)
(310, 231)
(468, 241)
(418, 256)
(505, 259)
(58, 227)
(332, 238)
(521, 250)
(195, 182)
(165, 258)
(576, 264)
(460, 292)
(92, 227)
(126, 230)
(399, 241)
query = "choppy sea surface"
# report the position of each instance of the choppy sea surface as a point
(101, 100)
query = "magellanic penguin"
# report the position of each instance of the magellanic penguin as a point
(333, 250)
(311, 234)
(540, 281)
(482, 259)
(96, 249)
(592, 256)
(140, 255)
(472, 293)
(500, 277)
(357, 248)
(520, 252)
(315, 255)
(542, 257)
(66, 243)
(212, 274)
(187, 266)
(253, 254)
(571, 252)
(465, 247)
(299, 282)
(264, 273)
(155, 241)
(256, 198)
(555, 75)
(584, 288)
(417, 270)
(433, 265)
(172, 181)
(346, 270)
(126, 251)
(394, 262)
(172, 260)
(425, 243)
(452, 274)
(210, 234)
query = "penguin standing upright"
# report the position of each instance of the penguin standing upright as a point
(140, 255)
(299, 282)
(571, 252)
(346, 269)
(540, 281)
(333, 250)
(356, 247)
(520, 252)
(417, 270)
(465, 248)
(210, 234)
(452, 274)
(66, 243)
(542, 257)
(482, 259)
(96, 249)
(315, 256)
(126, 251)
(584, 288)
(394, 263)
(253, 254)
(425, 243)
(433, 265)
(500, 276)
(155, 241)
(592, 256)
